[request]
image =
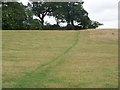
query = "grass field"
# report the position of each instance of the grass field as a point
(60, 59)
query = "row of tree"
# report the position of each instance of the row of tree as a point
(16, 16)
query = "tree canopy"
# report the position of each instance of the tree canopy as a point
(17, 16)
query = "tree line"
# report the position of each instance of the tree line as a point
(16, 16)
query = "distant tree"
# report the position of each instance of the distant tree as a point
(73, 13)
(33, 24)
(59, 11)
(41, 9)
(13, 15)
(95, 24)
(16, 16)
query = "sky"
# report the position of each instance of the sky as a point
(103, 11)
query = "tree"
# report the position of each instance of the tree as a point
(95, 24)
(13, 15)
(41, 9)
(73, 13)
(16, 16)
(31, 23)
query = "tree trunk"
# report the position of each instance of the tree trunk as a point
(57, 22)
(68, 23)
(72, 23)
(41, 19)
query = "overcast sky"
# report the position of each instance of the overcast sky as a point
(103, 11)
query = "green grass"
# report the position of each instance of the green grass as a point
(60, 59)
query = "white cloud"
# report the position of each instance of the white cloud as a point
(25, 2)
(50, 20)
(105, 12)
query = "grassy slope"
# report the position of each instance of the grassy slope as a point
(60, 58)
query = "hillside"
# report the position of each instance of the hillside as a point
(61, 59)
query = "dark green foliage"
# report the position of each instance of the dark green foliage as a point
(16, 16)
(13, 15)
(71, 13)
(95, 24)
(35, 25)
(41, 9)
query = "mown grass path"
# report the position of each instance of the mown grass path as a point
(41, 73)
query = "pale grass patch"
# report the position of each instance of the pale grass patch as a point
(104, 35)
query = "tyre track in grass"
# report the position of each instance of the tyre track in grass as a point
(41, 73)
